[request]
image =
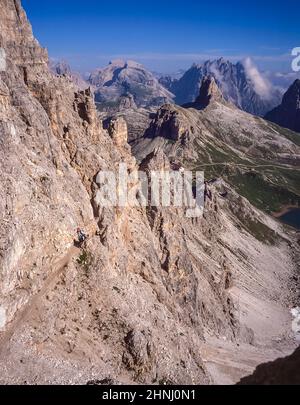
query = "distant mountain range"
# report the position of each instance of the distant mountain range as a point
(128, 84)
(240, 83)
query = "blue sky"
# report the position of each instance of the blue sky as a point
(166, 35)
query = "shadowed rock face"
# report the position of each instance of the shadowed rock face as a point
(209, 93)
(166, 124)
(287, 114)
(146, 296)
(283, 371)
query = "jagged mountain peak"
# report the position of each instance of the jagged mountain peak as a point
(297, 83)
(287, 114)
(122, 63)
(217, 62)
(209, 92)
(12, 15)
(117, 62)
(17, 40)
(292, 97)
(195, 66)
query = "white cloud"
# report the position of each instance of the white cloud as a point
(261, 85)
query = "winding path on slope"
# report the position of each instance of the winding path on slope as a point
(288, 167)
(22, 315)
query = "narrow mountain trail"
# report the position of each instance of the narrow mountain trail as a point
(288, 167)
(23, 315)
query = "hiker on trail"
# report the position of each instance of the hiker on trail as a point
(81, 235)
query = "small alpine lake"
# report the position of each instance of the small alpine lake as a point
(291, 217)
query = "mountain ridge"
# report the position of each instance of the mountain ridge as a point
(233, 80)
(121, 78)
(287, 114)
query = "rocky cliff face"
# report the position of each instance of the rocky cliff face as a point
(121, 78)
(236, 84)
(287, 114)
(137, 119)
(209, 93)
(153, 296)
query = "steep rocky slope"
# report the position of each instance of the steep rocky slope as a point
(121, 78)
(153, 296)
(287, 114)
(240, 83)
